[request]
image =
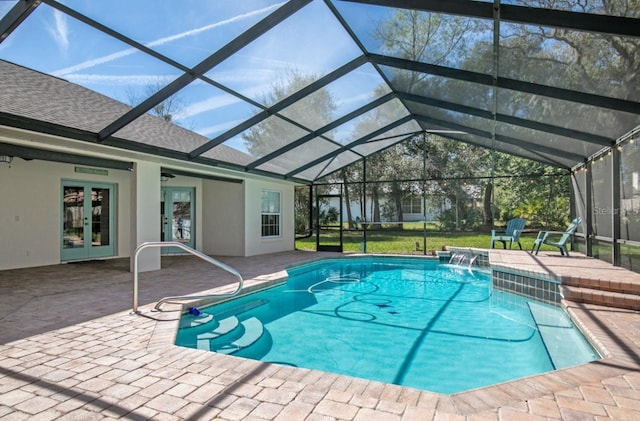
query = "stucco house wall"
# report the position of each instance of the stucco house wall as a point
(30, 211)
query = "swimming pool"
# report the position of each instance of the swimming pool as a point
(411, 322)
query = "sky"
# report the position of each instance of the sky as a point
(187, 32)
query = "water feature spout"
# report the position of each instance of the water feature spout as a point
(472, 261)
(463, 259)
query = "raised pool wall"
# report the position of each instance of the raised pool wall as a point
(539, 286)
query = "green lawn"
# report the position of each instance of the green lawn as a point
(404, 242)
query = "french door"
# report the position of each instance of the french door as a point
(87, 220)
(177, 216)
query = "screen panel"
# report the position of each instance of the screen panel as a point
(288, 58)
(597, 7)
(455, 41)
(569, 59)
(186, 31)
(630, 190)
(601, 187)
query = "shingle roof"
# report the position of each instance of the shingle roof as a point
(38, 96)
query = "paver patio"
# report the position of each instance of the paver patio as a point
(72, 350)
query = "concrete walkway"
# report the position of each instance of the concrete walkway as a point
(70, 349)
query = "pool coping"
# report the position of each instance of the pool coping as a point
(87, 356)
(489, 398)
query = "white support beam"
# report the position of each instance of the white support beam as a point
(145, 213)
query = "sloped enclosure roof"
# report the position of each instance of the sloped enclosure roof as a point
(299, 89)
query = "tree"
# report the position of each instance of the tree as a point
(393, 163)
(302, 209)
(439, 39)
(428, 37)
(396, 164)
(460, 169)
(169, 110)
(532, 191)
(582, 61)
(313, 111)
(345, 175)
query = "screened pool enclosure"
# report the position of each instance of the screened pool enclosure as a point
(299, 90)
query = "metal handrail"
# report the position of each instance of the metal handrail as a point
(157, 244)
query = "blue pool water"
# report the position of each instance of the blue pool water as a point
(411, 322)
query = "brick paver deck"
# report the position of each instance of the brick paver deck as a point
(70, 349)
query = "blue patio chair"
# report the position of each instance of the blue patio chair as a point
(510, 234)
(544, 238)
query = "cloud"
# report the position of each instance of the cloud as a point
(214, 103)
(120, 54)
(362, 98)
(221, 101)
(218, 128)
(171, 38)
(114, 80)
(91, 63)
(60, 31)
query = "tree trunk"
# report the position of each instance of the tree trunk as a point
(398, 202)
(375, 203)
(396, 197)
(488, 213)
(362, 198)
(347, 199)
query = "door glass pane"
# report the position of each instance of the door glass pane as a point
(163, 219)
(100, 217)
(73, 227)
(181, 217)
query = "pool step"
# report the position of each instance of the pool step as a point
(231, 335)
(565, 345)
(241, 308)
(619, 293)
(225, 326)
(603, 297)
(188, 321)
(624, 286)
(209, 319)
(253, 330)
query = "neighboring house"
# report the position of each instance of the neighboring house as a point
(411, 208)
(412, 205)
(67, 200)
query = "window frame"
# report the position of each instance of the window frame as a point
(412, 203)
(270, 220)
